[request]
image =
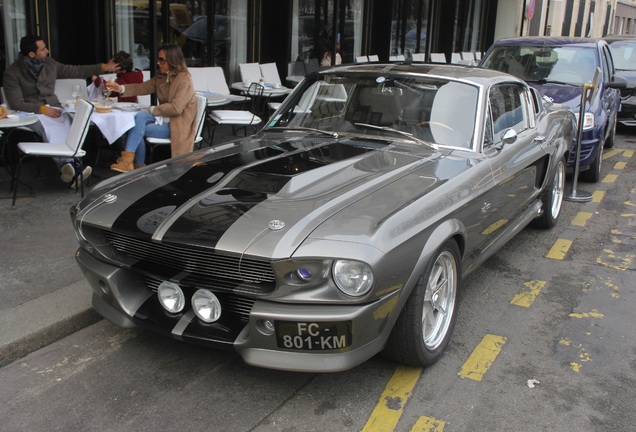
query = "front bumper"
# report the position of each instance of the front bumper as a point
(627, 113)
(126, 298)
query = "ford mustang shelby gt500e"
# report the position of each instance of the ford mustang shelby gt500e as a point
(342, 229)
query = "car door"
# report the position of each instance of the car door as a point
(611, 97)
(515, 165)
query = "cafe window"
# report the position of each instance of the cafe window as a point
(409, 25)
(208, 36)
(313, 38)
(13, 29)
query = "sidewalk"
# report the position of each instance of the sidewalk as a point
(44, 294)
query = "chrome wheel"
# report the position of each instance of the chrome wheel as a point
(439, 300)
(558, 186)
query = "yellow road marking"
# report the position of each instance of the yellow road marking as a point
(610, 153)
(559, 249)
(526, 298)
(581, 218)
(610, 178)
(620, 165)
(593, 314)
(482, 357)
(428, 424)
(397, 392)
(598, 196)
(628, 153)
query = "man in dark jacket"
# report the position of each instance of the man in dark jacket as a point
(29, 85)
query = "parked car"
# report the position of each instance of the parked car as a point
(342, 229)
(623, 49)
(558, 67)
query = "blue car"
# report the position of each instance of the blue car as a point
(558, 67)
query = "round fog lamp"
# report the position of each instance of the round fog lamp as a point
(171, 297)
(206, 306)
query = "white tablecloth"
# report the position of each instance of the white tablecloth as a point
(112, 125)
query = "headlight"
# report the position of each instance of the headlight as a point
(353, 278)
(588, 120)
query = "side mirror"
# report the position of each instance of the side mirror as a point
(618, 82)
(509, 136)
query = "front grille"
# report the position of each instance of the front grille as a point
(199, 267)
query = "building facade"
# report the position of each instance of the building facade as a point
(294, 33)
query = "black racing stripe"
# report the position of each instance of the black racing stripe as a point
(206, 221)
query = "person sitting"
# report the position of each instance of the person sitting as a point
(126, 75)
(29, 85)
(174, 117)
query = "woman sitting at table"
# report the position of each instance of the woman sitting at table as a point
(173, 118)
(126, 75)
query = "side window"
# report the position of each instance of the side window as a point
(509, 108)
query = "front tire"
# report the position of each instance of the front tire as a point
(425, 325)
(593, 173)
(552, 199)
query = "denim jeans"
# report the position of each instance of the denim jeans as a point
(144, 127)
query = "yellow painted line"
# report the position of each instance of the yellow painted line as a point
(610, 153)
(482, 357)
(610, 178)
(428, 424)
(581, 218)
(397, 392)
(598, 196)
(593, 314)
(628, 153)
(526, 298)
(620, 165)
(559, 249)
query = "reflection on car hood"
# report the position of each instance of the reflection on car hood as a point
(563, 94)
(231, 200)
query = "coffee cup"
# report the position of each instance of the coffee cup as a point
(276, 85)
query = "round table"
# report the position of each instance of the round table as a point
(8, 125)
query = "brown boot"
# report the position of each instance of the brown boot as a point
(139, 166)
(124, 163)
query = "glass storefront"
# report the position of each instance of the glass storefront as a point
(409, 26)
(13, 27)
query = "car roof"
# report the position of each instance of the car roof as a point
(479, 76)
(548, 41)
(619, 38)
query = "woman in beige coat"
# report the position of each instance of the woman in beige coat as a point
(173, 118)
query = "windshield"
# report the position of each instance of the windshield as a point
(435, 110)
(624, 55)
(565, 64)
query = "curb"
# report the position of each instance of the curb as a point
(42, 321)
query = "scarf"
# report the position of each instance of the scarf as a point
(34, 66)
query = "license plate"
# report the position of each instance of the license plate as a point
(318, 336)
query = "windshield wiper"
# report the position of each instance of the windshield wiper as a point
(399, 132)
(549, 81)
(302, 128)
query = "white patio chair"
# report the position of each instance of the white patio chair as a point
(438, 58)
(455, 58)
(374, 58)
(198, 136)
(218, 84)
(72, 148)
(362, 59)
(269, 72)
(145, 99)
(240, 118)
(419, 57)
(64, 89)
(250, 72)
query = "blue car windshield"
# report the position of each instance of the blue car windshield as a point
(624, 54)
(567, 64)
(435, 110)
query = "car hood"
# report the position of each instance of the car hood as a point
(257, 197)
(562, 94)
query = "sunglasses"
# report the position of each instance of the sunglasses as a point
(161, 60)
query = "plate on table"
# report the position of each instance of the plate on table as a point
(129, 106)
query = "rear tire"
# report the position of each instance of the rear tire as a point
(552, 199)
(425, 325)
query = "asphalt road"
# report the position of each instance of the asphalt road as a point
(552, 306)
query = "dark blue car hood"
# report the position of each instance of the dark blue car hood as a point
(563, 94)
